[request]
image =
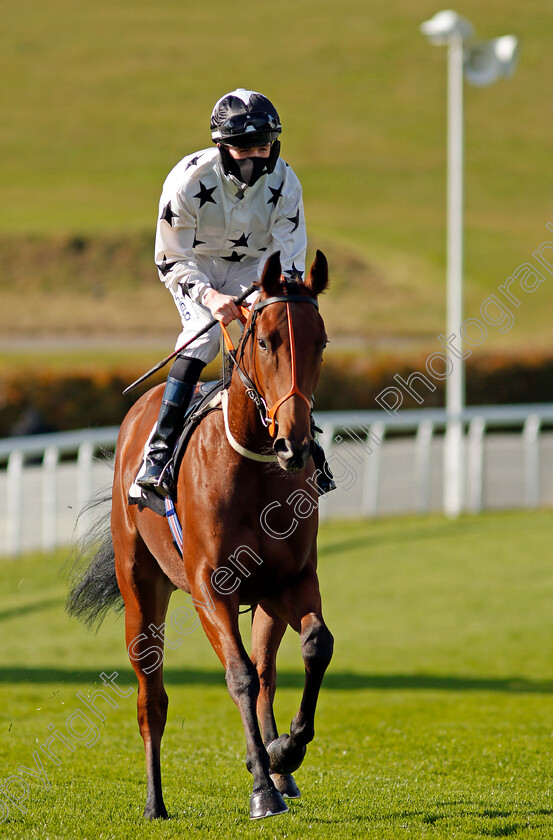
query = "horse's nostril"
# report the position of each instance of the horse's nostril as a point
(283, 448)
(291, 452)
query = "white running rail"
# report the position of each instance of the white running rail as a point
(383, 464)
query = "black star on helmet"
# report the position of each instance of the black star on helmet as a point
(234, 257)
(295, 220)
(242, 242)
(205, 194)
(168, 215)
(276, 194)
(165, 267)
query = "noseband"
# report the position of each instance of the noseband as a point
(269, 415)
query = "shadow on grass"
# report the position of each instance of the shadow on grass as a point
(27, 609)
(421, 530)
(334, 680)
(456, 809)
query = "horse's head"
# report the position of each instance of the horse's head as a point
(288, 338)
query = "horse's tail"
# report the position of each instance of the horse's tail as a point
(93, 585)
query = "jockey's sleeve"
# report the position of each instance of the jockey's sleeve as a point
(289, 234)
(174, 254)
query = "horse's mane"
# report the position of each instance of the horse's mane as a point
(291, 286)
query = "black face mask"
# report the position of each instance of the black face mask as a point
(249, 170)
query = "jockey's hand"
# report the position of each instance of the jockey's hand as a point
(222, 307)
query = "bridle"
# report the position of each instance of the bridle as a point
(268, 415)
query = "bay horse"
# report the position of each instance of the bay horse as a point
(247, 503)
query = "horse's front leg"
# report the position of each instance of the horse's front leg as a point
(220, 622)
(300, 606)
(267, 632)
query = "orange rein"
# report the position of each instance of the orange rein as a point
(294, 390)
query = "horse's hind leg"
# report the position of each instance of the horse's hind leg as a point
(146, 591)
(300, 605)
(267, 632)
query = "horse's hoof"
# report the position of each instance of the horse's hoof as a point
(266, 803)
(155, 813)
(285, 756)
(286, 785)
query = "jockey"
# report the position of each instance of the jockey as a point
(222, 212)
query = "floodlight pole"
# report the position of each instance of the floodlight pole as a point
(455, 383)
(482, 64)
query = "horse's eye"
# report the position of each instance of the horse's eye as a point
(262, 343)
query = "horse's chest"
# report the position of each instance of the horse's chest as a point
(253, 545)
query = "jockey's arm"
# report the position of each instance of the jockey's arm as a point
(176, 261)
(222, 307)
(288, 231)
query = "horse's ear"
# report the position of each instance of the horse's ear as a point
(270, 279)
(317, 281)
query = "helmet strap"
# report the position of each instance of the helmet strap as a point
(230, 167)
(274, 155)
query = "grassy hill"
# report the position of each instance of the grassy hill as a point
(101, 99)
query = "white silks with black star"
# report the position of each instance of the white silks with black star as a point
(205, 213)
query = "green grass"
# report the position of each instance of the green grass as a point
(434, 721)
(101, 99)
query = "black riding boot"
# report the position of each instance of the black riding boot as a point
(323, 475)
(324, 478)
(180, 386)
(176, 399)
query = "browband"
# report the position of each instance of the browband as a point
(286, 299)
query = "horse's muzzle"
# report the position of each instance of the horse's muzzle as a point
(291, 454)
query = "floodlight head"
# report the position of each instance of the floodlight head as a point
(488, 61)
(446, 25)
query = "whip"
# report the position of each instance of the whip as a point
(253, 288)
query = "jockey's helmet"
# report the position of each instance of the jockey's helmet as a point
(244, 118)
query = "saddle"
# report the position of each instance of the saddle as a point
(206, 398)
